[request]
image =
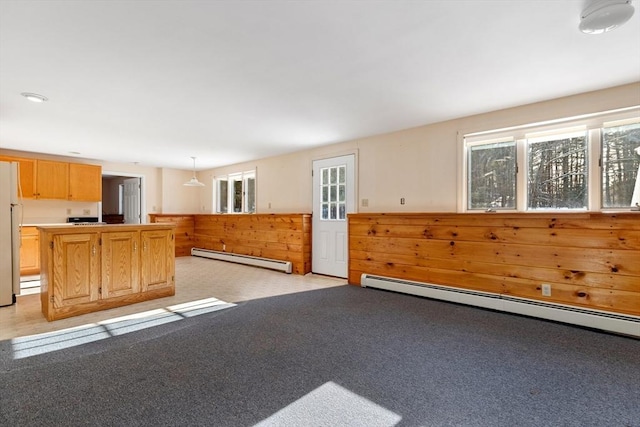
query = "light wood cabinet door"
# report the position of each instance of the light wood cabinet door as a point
(52, 180)
(27, 171)
(76, 269)
(158, 260)
(29, 251)
(120, 263)
(85, 182)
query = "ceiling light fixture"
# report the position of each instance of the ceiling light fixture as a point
(34, 97)
(605, 15)
(193, 182)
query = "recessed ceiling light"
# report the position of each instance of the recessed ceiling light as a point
(34, 97)
(74, 152)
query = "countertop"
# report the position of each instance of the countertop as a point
(67, 227)
(44, 224)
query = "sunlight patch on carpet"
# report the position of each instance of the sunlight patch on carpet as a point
(332, 405)
(34, 345)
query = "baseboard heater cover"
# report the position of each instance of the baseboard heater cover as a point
(612, 322)
(272, 264)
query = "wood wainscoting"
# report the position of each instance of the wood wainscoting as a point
(284, 237)
(184, 230)
(590, 259)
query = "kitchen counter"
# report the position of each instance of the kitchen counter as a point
(90, 266)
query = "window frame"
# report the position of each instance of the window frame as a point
(592, 124)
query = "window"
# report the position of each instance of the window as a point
(223, 190)
(620, 165)
(492, 176)
(557, 172)
(236, 193)
(577, 164)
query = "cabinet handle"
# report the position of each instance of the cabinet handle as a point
(135, 246)
(93, 250)
(144, 246)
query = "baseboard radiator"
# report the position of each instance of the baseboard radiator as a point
(272, 264)
(612, 322)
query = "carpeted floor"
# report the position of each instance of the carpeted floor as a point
(338, 356)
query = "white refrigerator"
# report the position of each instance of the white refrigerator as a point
(9, 234)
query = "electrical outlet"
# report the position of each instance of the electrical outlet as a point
(402, 200)
(68, 211)
(86, 212)
(546, 290)
(365, 203)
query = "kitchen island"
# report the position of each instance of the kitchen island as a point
(86, 268)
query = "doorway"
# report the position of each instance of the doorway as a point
(333, 198)
(122, 198)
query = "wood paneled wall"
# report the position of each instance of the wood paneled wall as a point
(284, 237)
(184, 230)
(590, 260)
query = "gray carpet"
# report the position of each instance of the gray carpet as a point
(338, 356)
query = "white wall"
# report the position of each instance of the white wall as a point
(176, 198)
(419, 164)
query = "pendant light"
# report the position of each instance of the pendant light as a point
(601, 16)
(193, 182)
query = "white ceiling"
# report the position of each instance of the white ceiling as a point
(156, 82)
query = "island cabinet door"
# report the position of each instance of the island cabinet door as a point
(158, 259)
(120, 261)
(76, 269)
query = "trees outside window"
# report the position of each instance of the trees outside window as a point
(620, 164)
(557, 172)
(492, 176)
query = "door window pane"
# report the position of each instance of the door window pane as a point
(333, 191)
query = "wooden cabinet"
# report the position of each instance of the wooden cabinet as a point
(85, 182)
(29, 251)
(76, 269)
(91, 268)
(52, 180)
(48, 179)
(158, 259)
(120, 261)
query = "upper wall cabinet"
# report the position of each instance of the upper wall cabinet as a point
(52, 180)
(85, 182)
(47, 179)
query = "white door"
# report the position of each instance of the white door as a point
(333, 198)
(131, 205)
